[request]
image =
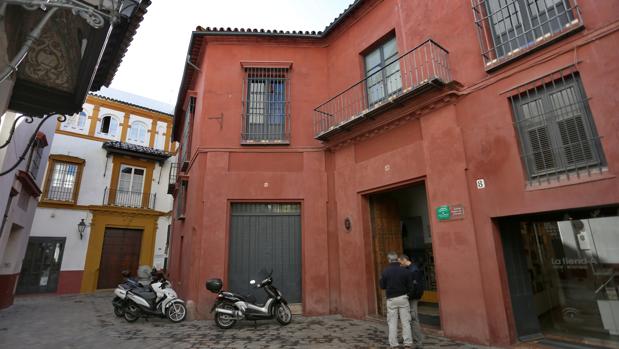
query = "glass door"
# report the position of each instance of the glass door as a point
(130, 186)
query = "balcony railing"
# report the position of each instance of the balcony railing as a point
(125, 198)
(422, 67)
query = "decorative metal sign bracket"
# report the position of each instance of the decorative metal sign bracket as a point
(94, 16)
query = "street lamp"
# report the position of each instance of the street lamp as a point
(81, 226)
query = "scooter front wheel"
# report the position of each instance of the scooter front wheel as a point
(283, 314)
(225, 321)
(176, 312)
(129, 313)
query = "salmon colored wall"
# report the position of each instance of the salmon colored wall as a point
(466, 135)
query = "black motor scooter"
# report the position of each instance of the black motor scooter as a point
(231, 307)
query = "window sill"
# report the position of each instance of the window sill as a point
(181, 218)
(56, 204)
(571, 178)
(265, 142)
(541, 42)
(28, 183)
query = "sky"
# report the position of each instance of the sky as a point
(153, 65)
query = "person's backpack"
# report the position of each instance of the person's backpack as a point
(419, 284)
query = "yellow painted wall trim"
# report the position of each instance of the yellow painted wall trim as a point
(93, 120)
(124, 128)
(103, 219)
(153, 132)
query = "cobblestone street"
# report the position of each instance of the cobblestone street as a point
(87, 321)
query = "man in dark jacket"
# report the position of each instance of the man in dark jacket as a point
(416, 276)
(397, 283)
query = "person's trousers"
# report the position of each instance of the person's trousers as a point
(399, 306)
(416, 327)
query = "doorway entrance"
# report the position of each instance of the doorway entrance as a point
(121, 251)
(400, 223)
(41, 267)
(563, 274)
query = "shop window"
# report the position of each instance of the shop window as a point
(556, 130)
(63, 178)
(506, 28)
(109, 126)
(266, 104)
(382, 71)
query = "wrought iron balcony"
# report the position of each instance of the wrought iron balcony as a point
(126, 198)
(423, 67)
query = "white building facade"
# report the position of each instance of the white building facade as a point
(104, 205)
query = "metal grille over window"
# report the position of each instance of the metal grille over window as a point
(62, 181)
(508, 27)
(35, 158)
(557, 132)
(266, 106)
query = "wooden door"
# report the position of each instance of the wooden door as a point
(386, 236)
(121, 251)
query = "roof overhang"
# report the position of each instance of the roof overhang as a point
(196, 43)
(69, 59)
(134, 150)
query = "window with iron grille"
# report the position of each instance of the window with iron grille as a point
(181, 200)
(505, 27)
(34, 162)
(186, 136)
(266, 106)
(62, 182)
(383, 72)
(557, 132)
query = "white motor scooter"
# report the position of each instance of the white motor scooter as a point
(160, 300)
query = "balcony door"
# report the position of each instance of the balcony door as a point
(130, 186)
(382, 71)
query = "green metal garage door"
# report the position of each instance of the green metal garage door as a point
(265, 237)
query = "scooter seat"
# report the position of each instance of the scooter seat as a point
(147, 295)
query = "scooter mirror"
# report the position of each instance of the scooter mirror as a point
(252, 282)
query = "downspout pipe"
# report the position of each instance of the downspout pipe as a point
(30, 39)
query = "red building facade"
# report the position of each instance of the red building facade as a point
(477, 137)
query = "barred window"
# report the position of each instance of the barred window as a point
(265, 118)
(557, 132)
(505, 27)
(62, 182)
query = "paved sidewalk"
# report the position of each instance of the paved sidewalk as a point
(87, 321)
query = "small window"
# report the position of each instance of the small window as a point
(63, 178)
(556, 129)
(185, 152)
(266, 105)
(137, 132)
(382, 71)
(34, 162)
(181, 200)
(81, 120)
(160, 137)
(109, 125)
